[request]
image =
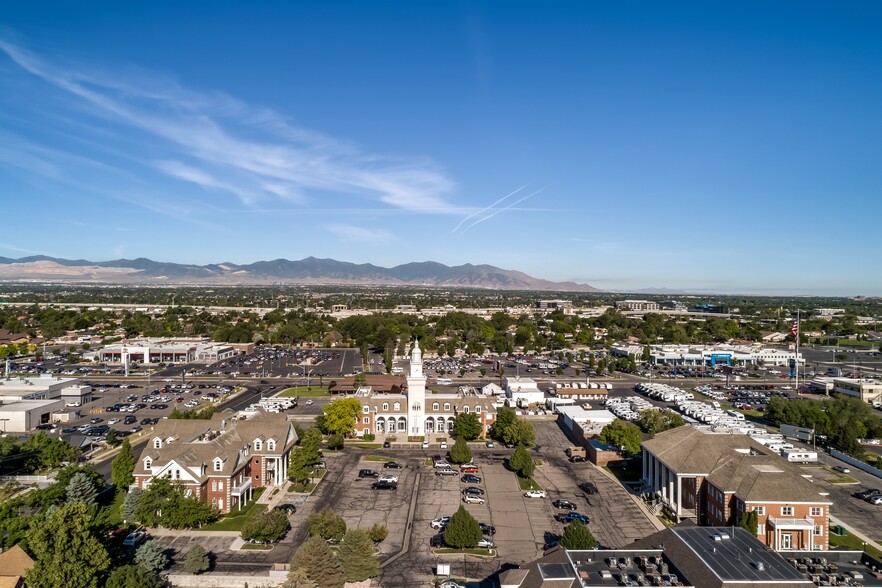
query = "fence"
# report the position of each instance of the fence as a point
(856, 463)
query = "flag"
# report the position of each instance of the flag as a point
(795, 329)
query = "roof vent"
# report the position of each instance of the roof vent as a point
(760, 566)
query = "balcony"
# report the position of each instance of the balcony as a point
(791, 524)
(241, 489)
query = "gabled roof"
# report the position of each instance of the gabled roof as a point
(763, 478)
(15, 562)
(687, 450)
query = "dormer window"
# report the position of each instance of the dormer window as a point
(218, 465)
(465, 409)
(477, 409)
(434, 406)
(147, 463)
(385, 406)
(446, 407)
(157, 443)
(365, 409)
(271, 445)
(258, 444)
(396, 407)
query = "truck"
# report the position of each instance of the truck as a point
(797, 456)
(577, 452)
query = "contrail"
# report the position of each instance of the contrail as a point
(495, 212)
(483, 210)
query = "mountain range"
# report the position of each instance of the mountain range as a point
(310, 270)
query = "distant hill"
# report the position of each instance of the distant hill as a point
(311, 270)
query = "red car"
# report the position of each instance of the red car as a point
(468, 469)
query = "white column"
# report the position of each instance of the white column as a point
(679, 490)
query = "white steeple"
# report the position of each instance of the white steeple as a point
(416, 361)
(416, 392)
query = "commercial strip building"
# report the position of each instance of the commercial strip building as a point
(711, 355)
(700, 557)
(868, 390)
(220, 460)
(410, 411)
(637, 305)
(715, 478)
(160, 350)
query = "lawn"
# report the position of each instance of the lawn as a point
(257, 546)
(304, 391)
(237, 518)
(528, 483)
(626, 471)
(852, 543)
(843, 480)
(114, 509)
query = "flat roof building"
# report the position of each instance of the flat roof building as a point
(159, 350)
(868, 390)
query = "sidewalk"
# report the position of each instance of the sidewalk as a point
(640, 504)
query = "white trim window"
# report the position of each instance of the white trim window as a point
(760, 510)
(271, 445)
(218, 464)
(817, 511)
(435, 406)
(148, 463)
(786, 511)
(258, 445)
(818, 531)
(157, 443)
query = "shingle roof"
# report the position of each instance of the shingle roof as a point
(688, 450)
(192, 443)
(763, 478)
(15, 562)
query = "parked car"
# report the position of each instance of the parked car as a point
(473, 490)
(393, 465)
(487, 529)
(440, 522)
(387, 444)
(287, 507)
(388, 478)
(842, 469)
(490, 445)
(877, 499)
(470, 479)
(535, 494)
(588, 488)
(384, 485)
(565, 504)
(446, 472)
(437, 541)
(440, 463)
(468, 468)
(486, 543)
(473, 499)
(577, 459)
(425, 444)
(368, 474)
(134, 539)
(570, 517)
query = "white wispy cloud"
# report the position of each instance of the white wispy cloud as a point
(209, 139)
(356, 234)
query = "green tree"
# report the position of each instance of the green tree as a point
(357, 556)
(327, 524)
(151, 556)
(130, 505)
(111, 438)
(622, 434)
(320, 564)
(519, 432)
(521, 462)
(335, 441)
(82, 489)
(298, 578)
(577, 536)
(305, 455)
(749, 521)
(123, 466)
(460, 452)
(463, 531)
(340, 415)
(133, 576)
(267, 526)
(198, 560)
(505, 416)
(653, 422)
(378, 532)
(467, 425)
(66, 549)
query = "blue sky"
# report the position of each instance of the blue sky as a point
(714, 146)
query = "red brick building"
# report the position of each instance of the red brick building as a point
(220, 460)
(715, 478)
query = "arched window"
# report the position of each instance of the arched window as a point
(446, 407)
(365, 409)
(465, 408)
(385, 406)
(157, 443)
(396, 407)
(271, 445)
(257, 444)
(147, 463)
(434, 406)
(477, 409)
(218, 465)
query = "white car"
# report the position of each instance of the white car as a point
(486, 543)
(440, 522)
(388, 478)
(534, 494)
(112, 421)
(471, 498)
(876, 500)
(308, 402)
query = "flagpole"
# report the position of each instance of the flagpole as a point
(797, 353)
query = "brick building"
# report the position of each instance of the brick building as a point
(715, 478)
(220, 460)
